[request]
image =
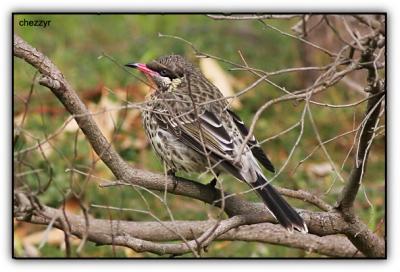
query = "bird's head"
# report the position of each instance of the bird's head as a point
(166, 72)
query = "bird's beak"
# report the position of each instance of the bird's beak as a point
(141, 67)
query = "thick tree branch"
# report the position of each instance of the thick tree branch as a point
(349, 192)
(375, 89)
(133, 234)
(358, 233)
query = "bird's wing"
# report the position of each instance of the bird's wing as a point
(205, 134)
(207, 129)
(252, 143)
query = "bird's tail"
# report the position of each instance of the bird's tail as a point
(278, 206)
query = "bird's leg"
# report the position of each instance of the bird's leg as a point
(212, 185)
(171, 174)
(213, 182)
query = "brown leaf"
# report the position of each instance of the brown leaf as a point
(320, 169)
(214, 73)
(105, 113)
(53, 237)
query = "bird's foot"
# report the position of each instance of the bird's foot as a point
(215, 192)
(212, 183)
(171, 174)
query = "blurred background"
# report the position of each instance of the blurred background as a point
(91, 50)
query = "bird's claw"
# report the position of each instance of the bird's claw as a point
(212, 183)
(171, 174)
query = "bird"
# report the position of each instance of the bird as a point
(191, 128)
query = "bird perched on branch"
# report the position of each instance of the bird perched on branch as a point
(191, 129)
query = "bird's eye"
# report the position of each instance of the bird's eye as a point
(163, 72)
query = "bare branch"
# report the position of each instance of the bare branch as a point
(253, 17)
(143, 236)
(373, 108)
(307, 197)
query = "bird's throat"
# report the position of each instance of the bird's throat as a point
(174, 84)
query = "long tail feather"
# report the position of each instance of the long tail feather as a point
(279, 207)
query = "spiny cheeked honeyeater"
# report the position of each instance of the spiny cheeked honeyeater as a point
(191, 129)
